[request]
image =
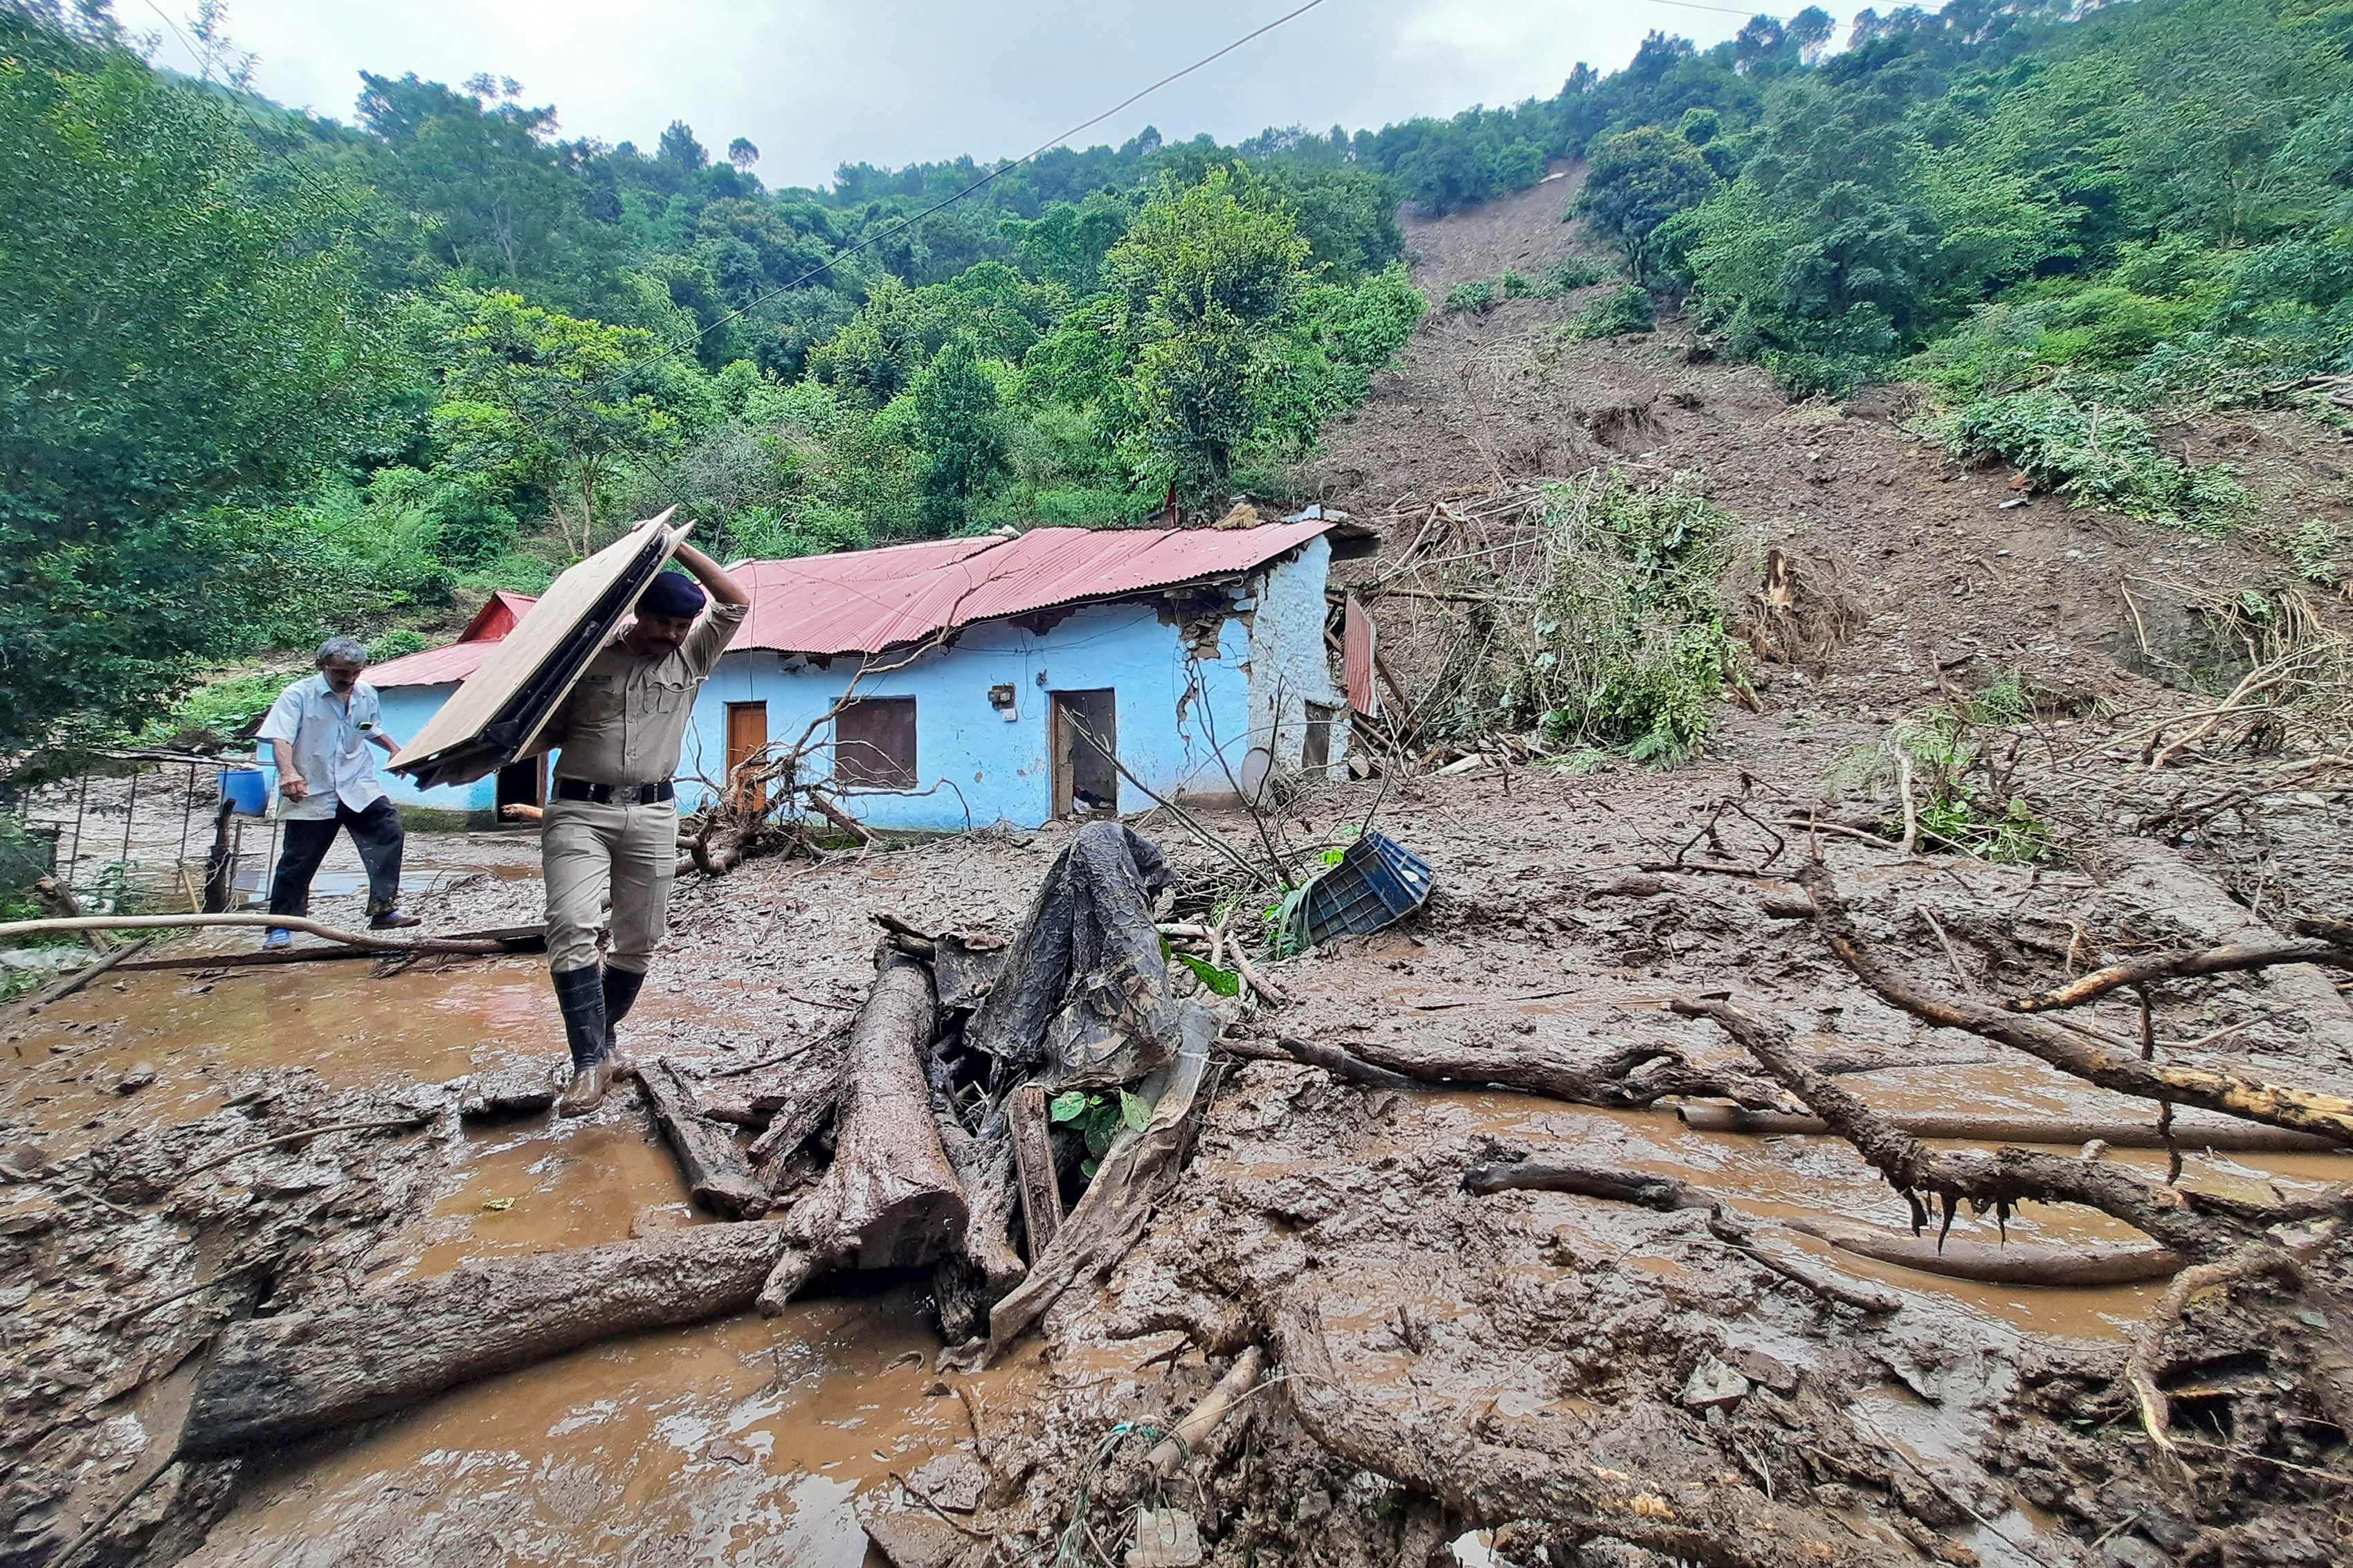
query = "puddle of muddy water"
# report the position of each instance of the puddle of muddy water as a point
(741, 1441)
(199, 1031)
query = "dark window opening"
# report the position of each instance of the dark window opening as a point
(1315, 749)
(521, 784)
(874, 744)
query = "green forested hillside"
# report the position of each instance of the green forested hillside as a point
(267, 372)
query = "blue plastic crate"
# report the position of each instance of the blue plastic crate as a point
(1378, 882)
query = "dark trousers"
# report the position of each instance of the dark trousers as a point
(377, 833)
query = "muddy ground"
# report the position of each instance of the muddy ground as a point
(1432, 1349)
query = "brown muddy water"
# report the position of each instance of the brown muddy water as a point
(744, 1441)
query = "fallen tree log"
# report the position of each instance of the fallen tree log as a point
(1634, 1079)
(2329, 1116)
(1170, 1453)
(800, 1100)
(1667, 1194)
(2070, 1267)
(983, 1266)
(890, 1199)
(273, 1380)
(1977, 1128)
(716, 1173)
(1040, 1189)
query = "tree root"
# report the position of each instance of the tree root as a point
(2070, 1267)
(2142, 1366)
(1729, 1227)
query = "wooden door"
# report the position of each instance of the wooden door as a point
(747, 736)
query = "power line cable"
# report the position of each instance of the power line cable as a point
(990, 178)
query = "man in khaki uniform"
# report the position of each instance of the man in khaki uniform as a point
(612, 822)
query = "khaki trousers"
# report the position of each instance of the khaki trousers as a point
(586, 851)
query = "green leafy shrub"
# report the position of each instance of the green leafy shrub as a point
(2094, 457)
(395, 642)
(1476, 296)
(1626, 309)
(2318, 552)
(1960, 781)
(1577, 270)
(1515, 283)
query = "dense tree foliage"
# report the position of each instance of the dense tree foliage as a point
(267, 371)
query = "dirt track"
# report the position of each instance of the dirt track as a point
(1466, 1333)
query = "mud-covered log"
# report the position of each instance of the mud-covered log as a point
(984, 1265)
(2237, 1137)
(1171, 1452)
(800, 1098)
(1636, 1077)
(2234, 959)
(2072, 1268)
(1033, 1160)
(716, 1173)
(890, 1199)
(275, 1379)
(1136, 1175)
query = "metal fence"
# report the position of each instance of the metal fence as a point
(140, 833)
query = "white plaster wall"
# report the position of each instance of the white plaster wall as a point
(1289, 667)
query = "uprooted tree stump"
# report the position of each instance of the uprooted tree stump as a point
(890, 1199)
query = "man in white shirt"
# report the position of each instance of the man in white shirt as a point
(319, 732)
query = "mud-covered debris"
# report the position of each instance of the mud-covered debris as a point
(950, 1481)
(524, 1090)
(137, 1078)
(1164, 1538)
(1714, 1386)
(730, 1451)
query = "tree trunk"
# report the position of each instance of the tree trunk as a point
(715, 1170)
(890, 1199)
(1033, 1158)
(276, 1379)
(1978, 1127)
(2073, 1267)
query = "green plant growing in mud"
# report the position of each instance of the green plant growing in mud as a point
(1961, 785)
(1576, 271)
(1626, 309)
(1097, 1119)
(2099, 455)
(1476, 297)
(1609, 634)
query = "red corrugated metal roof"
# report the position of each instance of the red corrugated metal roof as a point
(865, 601)
(451, 664)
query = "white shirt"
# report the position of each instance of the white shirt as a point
(330, 737)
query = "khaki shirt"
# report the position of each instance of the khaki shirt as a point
(625, 717)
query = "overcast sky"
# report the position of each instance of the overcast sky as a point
(814, 84)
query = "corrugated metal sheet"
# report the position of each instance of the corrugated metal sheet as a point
(869, 600)
(451, 664)
(1356, 658)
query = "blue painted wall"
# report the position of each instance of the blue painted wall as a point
(1180, 706)
(1247, 701)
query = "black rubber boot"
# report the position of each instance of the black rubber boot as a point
(580, 993)
(621, 987)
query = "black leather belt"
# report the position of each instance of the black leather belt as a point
(614, 795)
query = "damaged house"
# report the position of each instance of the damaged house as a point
(967, 681)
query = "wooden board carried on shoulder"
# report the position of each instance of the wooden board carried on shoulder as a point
(498, 713)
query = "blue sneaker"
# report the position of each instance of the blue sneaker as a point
(278, 940)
